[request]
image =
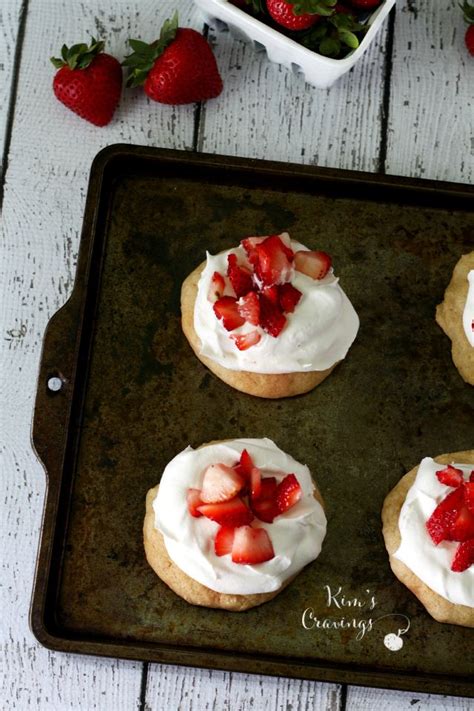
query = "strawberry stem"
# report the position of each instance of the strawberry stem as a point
(79, 56)
(145, 55)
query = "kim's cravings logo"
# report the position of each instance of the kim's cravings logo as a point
(359, 615)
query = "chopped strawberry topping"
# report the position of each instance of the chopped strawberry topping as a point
(464, 556)
(216, 289)
(251, 546)
(250, 244)
(240, 277)
(226, 308)
(193, 498)
(245, 465)
(469, 495)
(268, 487)
(471, 476)
(288, 493)
(274, 261)
(264, 505)
(271, 293)
(314, 264)
(220, 483)
(249, 308)
(224, 540)
(272, 320)
(462, 528)
(247, 340)
(289, 297)
(255, 483)
(450, 476)
(444, 515)
(228, 513)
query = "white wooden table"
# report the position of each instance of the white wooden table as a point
(405, 109)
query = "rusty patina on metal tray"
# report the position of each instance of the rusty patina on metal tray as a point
(133, 395)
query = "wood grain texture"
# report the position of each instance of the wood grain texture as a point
(431, 125)
(200, 690)
(9, 24)
(360, 699)
(265, 111)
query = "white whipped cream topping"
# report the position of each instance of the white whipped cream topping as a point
(468, 314)
(317, 334)
(432, 563)
(296, 535)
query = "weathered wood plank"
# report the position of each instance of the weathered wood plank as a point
(10, 11)
(50, 155)
(431, 122)
(360, 699)
(267, 112)
(198, 690)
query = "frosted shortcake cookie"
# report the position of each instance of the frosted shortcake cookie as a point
(428, 527)
(232, 523)
(455, 315)
(268, 317)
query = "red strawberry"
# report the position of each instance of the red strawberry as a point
(249, 244)
(240, 277)
(89, 82)
(274, 261)
(450, 476)
(471, 476)
(255, 482)
(251, 546)
(464, 556)
(194, 500)
(179, 68)
(224, 540)
(282, 12)
(314, 264)
(272, 320)
(226, 308)
(272, 294)
(469, 495)
(245, 465)
(268, 487)
(469, 40)
(288, 493)
(246, 340)
(220, 483)
(216, 288)
(265, 506)
(249, 308)
(365, 4)
(228, 513)
(289, 297)
(462, 528)
(444, 515)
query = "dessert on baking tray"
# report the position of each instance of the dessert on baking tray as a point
(455, 315)
(268, 317)
(232, 523)
(428, 527)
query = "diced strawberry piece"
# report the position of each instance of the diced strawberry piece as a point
(245, 465)
(250, 244)
(228, 513)
(444, 515)
(289, 297)
(246, 340)
(274, 261)
(462, 528)
(220, 483)
(288, 493)
(272, 294)
(469, 495)
(314, 264)
(251, 546)
(265, 509)
(471, 476)
(216, 288)
(224, 540)
(240, 277)
(464, 556)
(450, 476)
(272, 320)
(268, 487)
(249, 308)
(255, 483)
(226, 308)
(193, 498)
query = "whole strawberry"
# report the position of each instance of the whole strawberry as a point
(89, 82)
(178, 68)
(299, 14)
(365, 4)
(469, 17)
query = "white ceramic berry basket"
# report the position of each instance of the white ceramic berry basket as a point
(318, 70)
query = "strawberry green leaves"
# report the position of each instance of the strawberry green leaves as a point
(79, 56)
(144, 55)
(333, 33)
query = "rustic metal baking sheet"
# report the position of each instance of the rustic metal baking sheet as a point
(133, 395)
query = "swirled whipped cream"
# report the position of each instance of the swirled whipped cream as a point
(296, 536)
(317, 335)
(468, 313)
(432, 563)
